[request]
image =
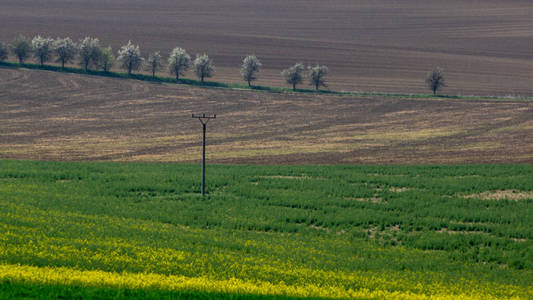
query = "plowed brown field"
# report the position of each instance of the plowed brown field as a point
(56, 116)
(484, 46)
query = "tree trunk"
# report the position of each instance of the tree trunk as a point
(249, 84)
(153, 74)
(294, 86)
(177, 76)
(203, 78)
(62, 64)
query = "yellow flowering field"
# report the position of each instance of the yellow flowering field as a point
(140, 231)
(151, 281)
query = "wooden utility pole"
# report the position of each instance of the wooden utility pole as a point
(204, 118)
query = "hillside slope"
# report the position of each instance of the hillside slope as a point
(380, 45)
(56, 116)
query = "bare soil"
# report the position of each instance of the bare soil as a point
(485, 47)
(57, 116)
(503, 195)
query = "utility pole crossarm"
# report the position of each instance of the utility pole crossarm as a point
(204, 118)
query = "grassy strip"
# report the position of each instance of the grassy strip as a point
(240, 86)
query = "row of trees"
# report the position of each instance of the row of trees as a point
(90, 54)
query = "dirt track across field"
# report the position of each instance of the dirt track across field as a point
(56, 116)
(485, 47)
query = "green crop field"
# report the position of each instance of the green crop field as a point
(112, 230)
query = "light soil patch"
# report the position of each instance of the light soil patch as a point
(398, 190)
(301, 177)
(371, 199)
(387, 175)
(394, 189)
(446, 230)
(465, 176)
(502, 195)
(387, 231)
(319, 228)
(528, 125)
(465, 223)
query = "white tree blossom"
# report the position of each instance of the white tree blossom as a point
(178, 62)
(316, 76)
(203, 66)
(250, 66)
(43, 48)
(293, 75)
(90, 52)
(129, 57)
(65, 50)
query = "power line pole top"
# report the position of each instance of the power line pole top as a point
(204, 118)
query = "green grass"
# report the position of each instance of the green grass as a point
(404, 228)
(242, 86)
